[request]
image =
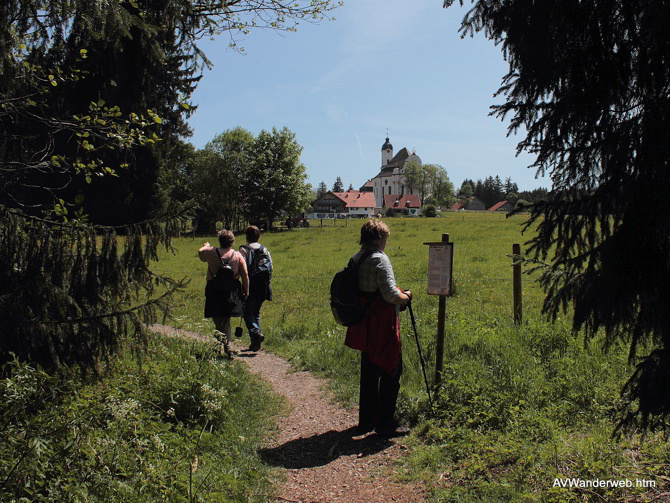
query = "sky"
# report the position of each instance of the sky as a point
(382, 65)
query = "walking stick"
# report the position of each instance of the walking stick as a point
(418, 347)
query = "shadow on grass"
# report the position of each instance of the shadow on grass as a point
(323, 448)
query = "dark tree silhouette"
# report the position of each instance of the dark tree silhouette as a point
(590, 83)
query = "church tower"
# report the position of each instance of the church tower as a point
(387, 152)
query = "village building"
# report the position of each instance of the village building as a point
(386, 190)
(503, 206)
(391, 181)
(471, 204)
(352, 203)
(407, 204)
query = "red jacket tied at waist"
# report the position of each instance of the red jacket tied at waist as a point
(378, 335)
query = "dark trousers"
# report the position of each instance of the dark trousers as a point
(379, 392)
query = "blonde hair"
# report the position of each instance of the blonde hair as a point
(226, 238)
(374, 231)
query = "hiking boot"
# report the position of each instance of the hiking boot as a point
(391, 431)
(255, 342)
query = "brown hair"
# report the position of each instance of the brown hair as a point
(253, 233)
(226, 238)
(373, 231)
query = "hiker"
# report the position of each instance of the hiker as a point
(259, 265)
(224, 295)
(378, 335)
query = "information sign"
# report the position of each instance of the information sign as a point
(440, 259)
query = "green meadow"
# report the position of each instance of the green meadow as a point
(520, 411)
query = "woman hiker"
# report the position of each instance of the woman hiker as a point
(224, 295)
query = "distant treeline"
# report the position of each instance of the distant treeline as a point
(493, 190)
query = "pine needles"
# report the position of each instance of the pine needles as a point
(70, 296)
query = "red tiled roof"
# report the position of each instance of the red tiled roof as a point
(457, 206)
(412, 199)
(497, 206)
(357, 199)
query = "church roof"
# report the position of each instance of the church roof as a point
(387, 144)
(398, 161)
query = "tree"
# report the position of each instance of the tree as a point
(418, 179)
(510, 187)
(275, 181)
(137, 56)
(321, 190)
(338, 186)
(87, 90)
(412, 172)
(67, 293)
(219, 176)
(351, 187)
(441, 188)
(589, 83)
(467, 189)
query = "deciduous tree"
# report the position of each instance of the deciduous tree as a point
(276, 180)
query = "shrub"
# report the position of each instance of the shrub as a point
(184, 426)
(430, 211)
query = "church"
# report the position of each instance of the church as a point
(390, 185)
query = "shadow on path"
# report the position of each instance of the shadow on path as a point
(323, 448)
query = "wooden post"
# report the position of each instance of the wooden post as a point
(441, 317)
(516, 273)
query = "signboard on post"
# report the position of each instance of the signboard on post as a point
(440, 261)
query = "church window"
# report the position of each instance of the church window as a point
(386, 182)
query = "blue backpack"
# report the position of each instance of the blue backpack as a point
(259, 267)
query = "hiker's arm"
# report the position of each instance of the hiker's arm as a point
(244, 273)
(386, 281)
(202, 252)
(404, 296)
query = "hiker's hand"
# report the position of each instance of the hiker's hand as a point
(206, 244)
(409, 294)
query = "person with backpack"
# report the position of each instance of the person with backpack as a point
(224, 295)
(259, 265)
(377, 336)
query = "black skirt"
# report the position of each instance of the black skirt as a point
(224, 304)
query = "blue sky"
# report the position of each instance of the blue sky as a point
(339, 85)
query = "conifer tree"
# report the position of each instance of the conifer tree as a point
(588, 82)
(87, 92)
(338, 186)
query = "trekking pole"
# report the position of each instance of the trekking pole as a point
(418, 347)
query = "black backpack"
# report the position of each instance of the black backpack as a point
(344, 295)
(224, 279)
(259, 267)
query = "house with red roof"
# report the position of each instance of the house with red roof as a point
(504, 206)
(408, 204)
(352, 203)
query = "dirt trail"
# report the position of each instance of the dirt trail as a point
(320, 459)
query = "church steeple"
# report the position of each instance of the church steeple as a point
(387, 151)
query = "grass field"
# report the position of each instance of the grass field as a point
(520, 408)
